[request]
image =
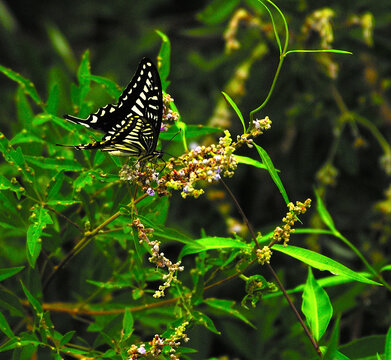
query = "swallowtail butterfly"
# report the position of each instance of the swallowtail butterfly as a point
(131, 126)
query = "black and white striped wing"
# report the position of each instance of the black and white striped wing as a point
(136, 138)
(142, 97)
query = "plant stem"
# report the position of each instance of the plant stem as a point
(280, 285)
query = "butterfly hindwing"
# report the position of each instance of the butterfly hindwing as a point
(132, 126)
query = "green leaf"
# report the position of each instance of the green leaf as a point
(192, 131)
(164, 59)
(40, 218)
(4, 327)
(127, 324)
(387, 350)
(324, 214)
(55, 185)
(67, 338)
(206, 321)
(386, 268)
(24, 110)
(334, 51)
(5, 184)
(321, 262)
(43, 118)
(27, 86)
(23, 137)
(83, 74)
(217, 11)
(165, 232)
(210, 243)
(249, 161)
(364, 347)
(5, 273)
(227, 307)
(272, 171)
(235, 107)
(15, 158)
(32, 300)
(53, 99)
(316, 307)
(112, 88)
(57, 163)
(332, 346)
(63, 202)
(61, 46)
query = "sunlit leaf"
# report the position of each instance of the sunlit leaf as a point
(324, 214)
(272, 171)
(316, 307)
(206, 321)
(40, 218)
(332, 346)
(112, 88)
(249, 161)
(235, 107)
(54, 163)
(32, 300)
(127, 324)
(14, 186)
(321, 262)
(5, 273)
(164, 59)
(212, 243)
(4, 327)
(27, 86)
(67, 338)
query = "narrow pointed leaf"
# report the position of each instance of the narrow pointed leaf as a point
(164, 59)
(324, 214)
(211, 243)
(235, 107)
(316, 307)
(321, 262)
(249, 161)
(27, 86)
(332, 346)
(5, 273)
(58, 163)
(32, 300)
(40, 217)
(4, 327)
(227, 306)
(272, 171)
(127, 324)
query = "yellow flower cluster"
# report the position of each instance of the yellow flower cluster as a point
(284, 233)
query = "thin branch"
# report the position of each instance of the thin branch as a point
(281, 286)
(64, 217)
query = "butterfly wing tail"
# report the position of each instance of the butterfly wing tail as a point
(76, 120)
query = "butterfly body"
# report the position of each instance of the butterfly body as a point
(132, 126)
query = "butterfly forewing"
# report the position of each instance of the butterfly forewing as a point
(132, 126)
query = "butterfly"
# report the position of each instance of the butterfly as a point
(132, 126)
